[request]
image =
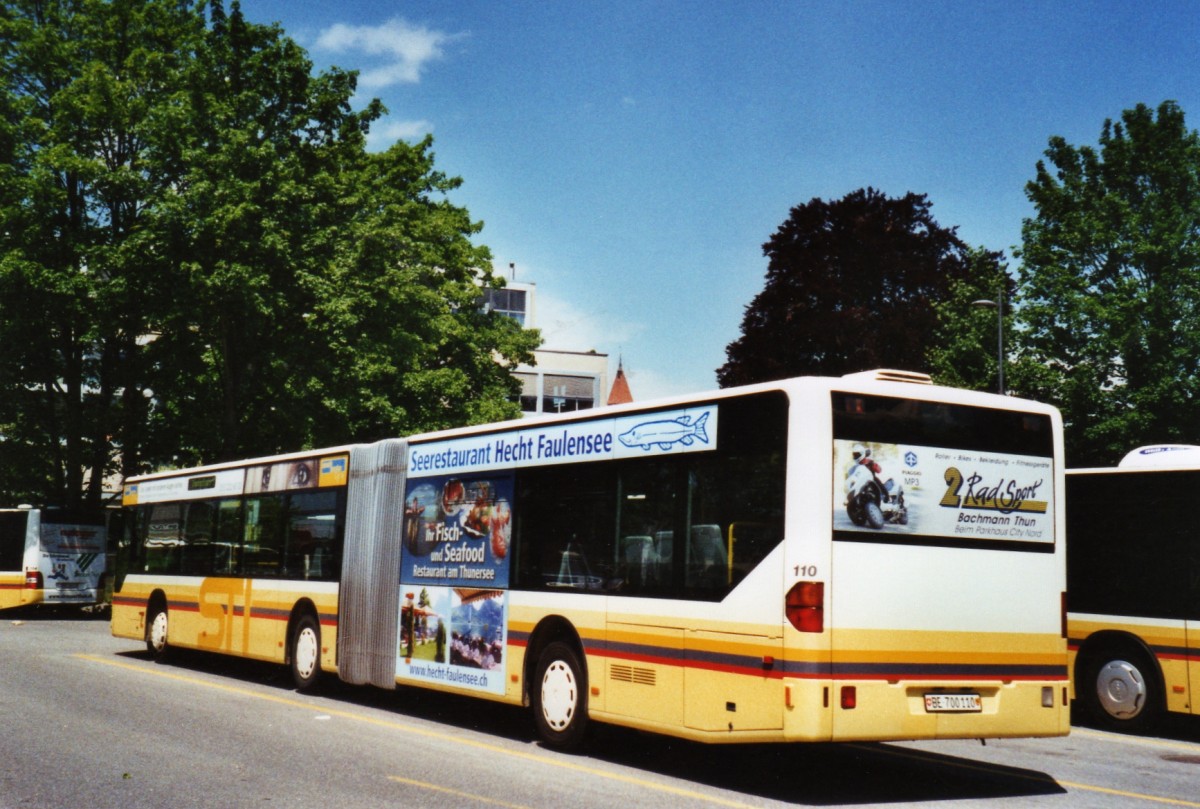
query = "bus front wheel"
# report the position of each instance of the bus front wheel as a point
(1123, 693)
(560, 698)
(156, 634)
(306, 653)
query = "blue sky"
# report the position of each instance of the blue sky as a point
(631, 158)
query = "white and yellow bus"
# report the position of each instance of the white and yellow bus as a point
(816, 559)
(48, 556)
(1134, 586)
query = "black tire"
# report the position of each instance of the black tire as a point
(305, 654)
(559, 698)
(1121, 690)
(156, 634)
(874, 514)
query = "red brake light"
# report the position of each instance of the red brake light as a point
(849, 697)
(33, 580)
(805, 606)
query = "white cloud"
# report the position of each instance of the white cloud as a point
(405, 49)
(569, 328)
(384, 133)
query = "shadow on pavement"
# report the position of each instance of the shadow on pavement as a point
(805, 774)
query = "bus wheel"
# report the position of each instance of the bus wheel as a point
(156, 634)
(1123, 694)
(306, 653)
(560, 698)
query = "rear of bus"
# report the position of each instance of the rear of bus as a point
(936, 611)
(52, 557)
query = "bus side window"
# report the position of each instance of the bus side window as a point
(646, 506)
(564, 535)
(311, 535)
(163, 539)
(227, 548)
(12, 539)
(707, 564)
(263, 536)
(196, 551)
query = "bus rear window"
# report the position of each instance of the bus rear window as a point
(912, 471)
(941, 424)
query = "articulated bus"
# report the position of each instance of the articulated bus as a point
(49, 556)
(1134, 586)
(865, 557)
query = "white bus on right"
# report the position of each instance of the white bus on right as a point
(1133, 586)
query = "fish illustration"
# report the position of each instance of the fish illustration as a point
(666, 433)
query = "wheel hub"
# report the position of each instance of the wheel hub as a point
(1121, 688)
(559, 695)
(306, 652)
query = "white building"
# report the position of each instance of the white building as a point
(561, 381)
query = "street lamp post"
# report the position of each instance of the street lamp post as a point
(998, 305)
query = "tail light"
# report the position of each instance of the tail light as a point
(805, 606)
(33, 580)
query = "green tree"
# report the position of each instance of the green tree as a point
(199, 259)
(78, 83)
(851, 285)
(1110, 284)
(963, 350)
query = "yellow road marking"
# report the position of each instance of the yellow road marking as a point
(1002, 770)
(633, 780)
(1135, 740)
(413, 729)
(456, 793)
(1135, 795)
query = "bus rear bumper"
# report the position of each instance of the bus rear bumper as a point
(874, 710)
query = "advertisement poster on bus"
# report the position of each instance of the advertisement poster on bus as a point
(457, 531)
(71, 561)
(946, 494)
(454, 573)
(670, 432)
(453, 636)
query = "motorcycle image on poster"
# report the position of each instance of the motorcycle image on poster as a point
(963, 496)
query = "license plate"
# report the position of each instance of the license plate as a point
(952, 703)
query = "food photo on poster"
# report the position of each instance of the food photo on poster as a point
(457, 531)
(454, 571)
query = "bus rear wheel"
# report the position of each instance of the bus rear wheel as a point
(306, 653)
(560, 698)
(1122, 692)
(156, 634)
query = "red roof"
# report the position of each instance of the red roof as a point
(620, 390)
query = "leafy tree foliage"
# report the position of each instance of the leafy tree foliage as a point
(1111, 284)
(851, 285)
(963, 351)
(199, 260)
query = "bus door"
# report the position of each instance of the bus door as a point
(734, 672)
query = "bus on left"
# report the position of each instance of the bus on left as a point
(49, 556)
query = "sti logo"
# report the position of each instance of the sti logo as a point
(330, 466)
